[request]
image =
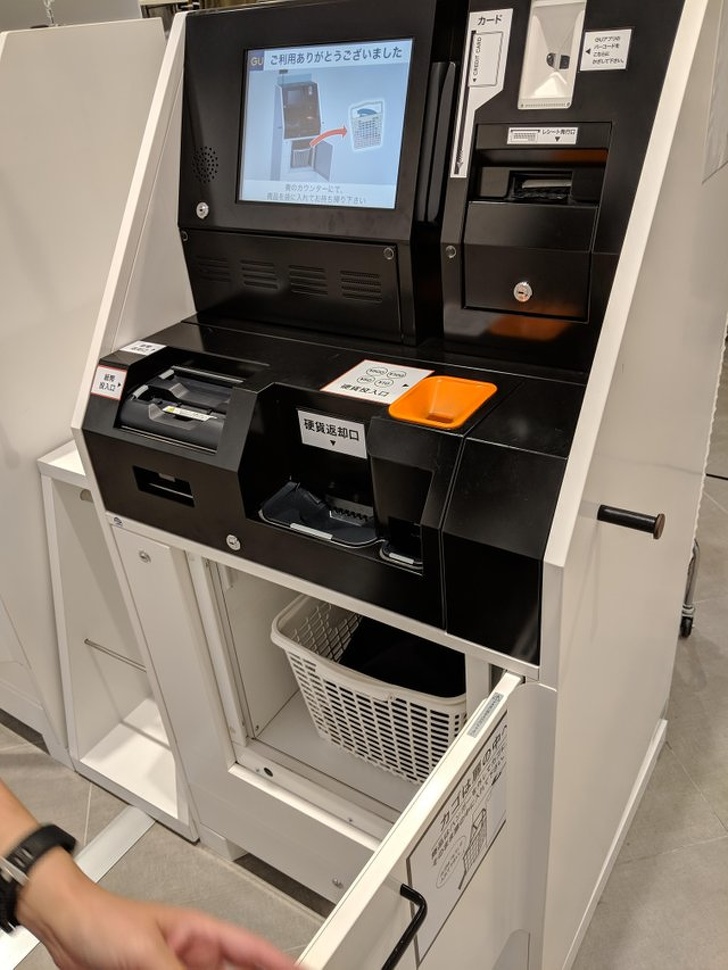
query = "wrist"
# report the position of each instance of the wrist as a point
(53, 892)
(17, 866)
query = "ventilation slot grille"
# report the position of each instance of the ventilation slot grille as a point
(366, 287)
(205, 164)
(214, 268)
(308, 280)
(258, 274)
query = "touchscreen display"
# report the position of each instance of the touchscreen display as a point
(323, 125)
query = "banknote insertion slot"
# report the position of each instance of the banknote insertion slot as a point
(181, 404)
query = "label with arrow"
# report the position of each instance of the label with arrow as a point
(543, 136)
(332, 433)
(605, 50)
(328, 134)
(376, 381)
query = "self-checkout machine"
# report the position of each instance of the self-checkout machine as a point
(74, 102)
(298, 433)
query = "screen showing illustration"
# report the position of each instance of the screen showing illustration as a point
(323, 125)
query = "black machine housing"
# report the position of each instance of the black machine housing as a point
(368, 272)
(447, 525)
(551, 214)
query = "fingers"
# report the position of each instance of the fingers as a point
(204, 943)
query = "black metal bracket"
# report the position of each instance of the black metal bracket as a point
(409, 934)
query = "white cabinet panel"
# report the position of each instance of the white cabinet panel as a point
(454, 847)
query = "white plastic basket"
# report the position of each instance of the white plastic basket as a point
(401, 730)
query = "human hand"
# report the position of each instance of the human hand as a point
(84, 927)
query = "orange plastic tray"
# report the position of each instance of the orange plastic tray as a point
(442, 402)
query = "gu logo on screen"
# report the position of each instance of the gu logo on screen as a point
(256, 61)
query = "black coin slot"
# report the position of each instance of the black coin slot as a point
(164, 486)
(336, 520)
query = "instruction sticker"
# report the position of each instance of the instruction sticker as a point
(143, 348)
(459, 837)
(542, 136)
(377, 382)
(108, 382)
(488, 38)
(605, 50)
(332, 433)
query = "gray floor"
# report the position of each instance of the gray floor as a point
(665, 906)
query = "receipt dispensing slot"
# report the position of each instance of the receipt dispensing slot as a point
(531, 219)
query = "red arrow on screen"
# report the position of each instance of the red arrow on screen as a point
(327, 134)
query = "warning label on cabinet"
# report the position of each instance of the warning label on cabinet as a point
(457, 841)
(606, 50)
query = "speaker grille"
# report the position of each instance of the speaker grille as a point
(259, 274)
(205, 164)
(308, 280)
(366, 287)
(214, 268)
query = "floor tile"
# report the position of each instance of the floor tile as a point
(718, 459)
(713, 539)
(307, 897)
(673, 813)
(700, 678)
(52, 792)
(165, 867)
(37, 959)
(667, 912)
(103, 809)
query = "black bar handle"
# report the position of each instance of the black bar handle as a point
(654, 524)
(409, 934)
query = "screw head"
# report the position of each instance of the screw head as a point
(233, 542)
(523, 291)
(338, 883)
(202, 210)
(183, 236)
(116, 521)
(388, 253)
(451, 252)
(144, 556)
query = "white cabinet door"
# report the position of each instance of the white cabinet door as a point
(442, 888)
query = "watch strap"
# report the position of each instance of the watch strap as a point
(16, 865)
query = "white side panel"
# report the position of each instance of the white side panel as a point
(613, 596)
(147, 286)
(73, 104)
(116, 733)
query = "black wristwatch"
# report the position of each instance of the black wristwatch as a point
(15, 866)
